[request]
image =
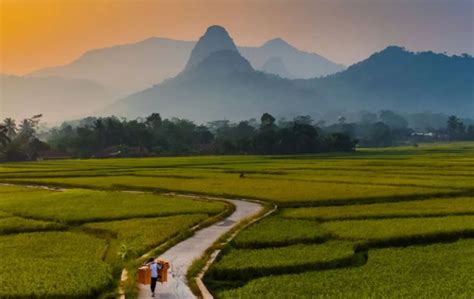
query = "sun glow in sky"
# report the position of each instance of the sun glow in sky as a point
(41, 33)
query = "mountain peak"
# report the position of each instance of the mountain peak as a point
(216, 29)
(215, 39)
(391, 55)
(277, 43)
(393, 51)
(220, 63)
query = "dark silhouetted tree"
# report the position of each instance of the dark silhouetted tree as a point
(455, 128)
(10, 125)
(154, 121)
(267, 121)
(4, 139)
(303, 119)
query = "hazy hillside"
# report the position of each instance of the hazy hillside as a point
(401, 80)
(298, 63)
(134, 67)
(129, 67)
(275, 65)
(55, 98)
(223, 85)
(227, 86)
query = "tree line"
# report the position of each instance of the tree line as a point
(152, 136)
(156, 136)
(388, 128)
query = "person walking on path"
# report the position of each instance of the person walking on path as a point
(154, 267)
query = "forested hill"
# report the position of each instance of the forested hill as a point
(405, 81)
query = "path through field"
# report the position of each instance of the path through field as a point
(182, 255)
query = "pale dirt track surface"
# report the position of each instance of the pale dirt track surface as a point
(182, 255)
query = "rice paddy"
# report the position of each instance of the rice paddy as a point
(368, 224)
(274, 232)
(52, 264)
(143, 234)
(435, 271)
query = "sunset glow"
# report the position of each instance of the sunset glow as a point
(41, 33)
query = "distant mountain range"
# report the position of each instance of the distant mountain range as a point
(127, 68)
(133, 67)
(217, 83)
(214, 79)
(297, 63)
(224, 85)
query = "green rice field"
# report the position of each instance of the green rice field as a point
(433, 271)
(142, 234)
(52, 264)
(377, 223)
(91, 235)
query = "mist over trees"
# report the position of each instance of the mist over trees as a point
(389, 128)
(109, 137)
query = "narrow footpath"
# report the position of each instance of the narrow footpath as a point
(183, 254)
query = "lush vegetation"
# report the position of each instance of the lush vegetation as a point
(111, 137)
(52, 265)
(4, 215)
(435, 271)
(422, 208)
(143, 234)
(380, 230)
(76, 206)
(371, 198)
(370, 222)
(20, 143)
(389, 128)
(286, 192)
(275, 231)
(10, 225)
(15, 189)
(245, 264)
(86, 263)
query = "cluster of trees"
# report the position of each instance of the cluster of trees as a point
(18, 142)
(298, 136)
(156, 136)
(115, 137)
(388, 128)
(372, 130)
(457, 130)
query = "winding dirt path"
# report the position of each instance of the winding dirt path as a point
(183, 254)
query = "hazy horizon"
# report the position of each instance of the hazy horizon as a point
(342, 31)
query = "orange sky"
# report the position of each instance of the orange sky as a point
(40, 33)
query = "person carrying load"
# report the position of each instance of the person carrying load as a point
(153, 271)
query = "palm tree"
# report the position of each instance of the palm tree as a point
(10, 125)
(4, 139)
(14, 144)
(27, 128)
